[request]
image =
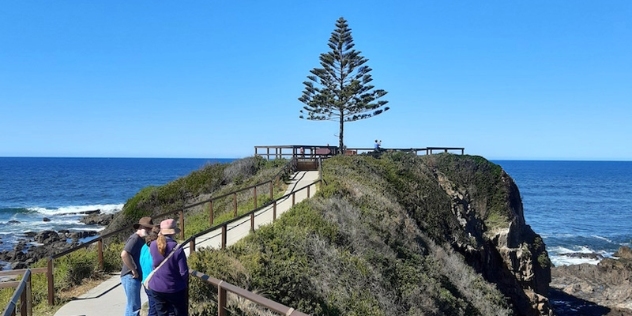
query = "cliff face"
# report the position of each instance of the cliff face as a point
(397, 235)
(503, 247)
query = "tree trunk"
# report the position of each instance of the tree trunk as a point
(341, 134)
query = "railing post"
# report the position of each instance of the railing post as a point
(221, 300)
(293, 197)
(235, 204)
(308, 191)
(23, 299)
(252, 222)
(182, 224)
(224, 236)
(274, 211)
(210, 210)
(100, 247)
(29, 296)
(192, 245)
(255, 194)
(271, 191)
(51, 287)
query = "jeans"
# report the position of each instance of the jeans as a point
(168, 304)
(152, 302)
(132, 292)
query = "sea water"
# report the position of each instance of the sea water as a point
(59, 189)
(576, 206)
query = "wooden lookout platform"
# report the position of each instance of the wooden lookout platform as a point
(308, 155)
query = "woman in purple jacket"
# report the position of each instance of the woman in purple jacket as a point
(170, 281)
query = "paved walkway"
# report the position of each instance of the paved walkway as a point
(108, 298)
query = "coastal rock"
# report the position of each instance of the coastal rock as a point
(514, 257)
(97, 219)
(13, 222)
(609, 283)
(24, 253)
(583, 255)
(47, 236)
(46, 219)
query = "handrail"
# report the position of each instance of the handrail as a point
(22, 291)
(223, 287)
(289, 167)
(192, 238)
(313, 151)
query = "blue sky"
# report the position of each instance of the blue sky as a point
(203, 79)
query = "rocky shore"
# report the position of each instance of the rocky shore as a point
(33, 246)
(591, 290)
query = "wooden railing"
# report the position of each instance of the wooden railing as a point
(288, 169)
(320, 151)
(22, 291)
(251, 215)
(224, 287)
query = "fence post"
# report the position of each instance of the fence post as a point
(255, 194)
(271, 191)
(192, 245)
(274, 211)
(252, 222)
(29, 296)
(51, 287)
(224, 236)
(23, 298)
(293, 197)
(182, 224)
(308, 191)
(210, 221)
(100, 246)
(221, 300)
(235, 204)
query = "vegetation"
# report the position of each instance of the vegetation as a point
(340, 91)
(81, 267)
(377, 239)
(374, 241)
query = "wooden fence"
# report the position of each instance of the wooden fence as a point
(319, 151)
(224, 287)
(288, 169)
(22, 292)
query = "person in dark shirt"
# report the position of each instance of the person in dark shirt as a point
(170, 281)
(131, 271)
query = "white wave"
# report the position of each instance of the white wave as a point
(603, 238)
(564, 250)
(77, 209)
(565, 260)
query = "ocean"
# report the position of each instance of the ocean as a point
(59, 188)
(576, 206)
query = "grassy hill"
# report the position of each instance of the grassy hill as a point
(394, 235)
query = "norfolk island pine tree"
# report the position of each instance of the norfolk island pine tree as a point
(341, 90)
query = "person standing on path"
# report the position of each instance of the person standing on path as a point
(146, 265)
(170, 281)
(131, 270)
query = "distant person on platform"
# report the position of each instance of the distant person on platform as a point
(131, 271)
(171, 279)
(377, 146)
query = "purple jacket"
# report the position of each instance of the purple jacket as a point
(173, 276)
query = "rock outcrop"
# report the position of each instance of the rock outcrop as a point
(609, 283)
(505, 249)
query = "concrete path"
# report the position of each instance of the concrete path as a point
(108, 298)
